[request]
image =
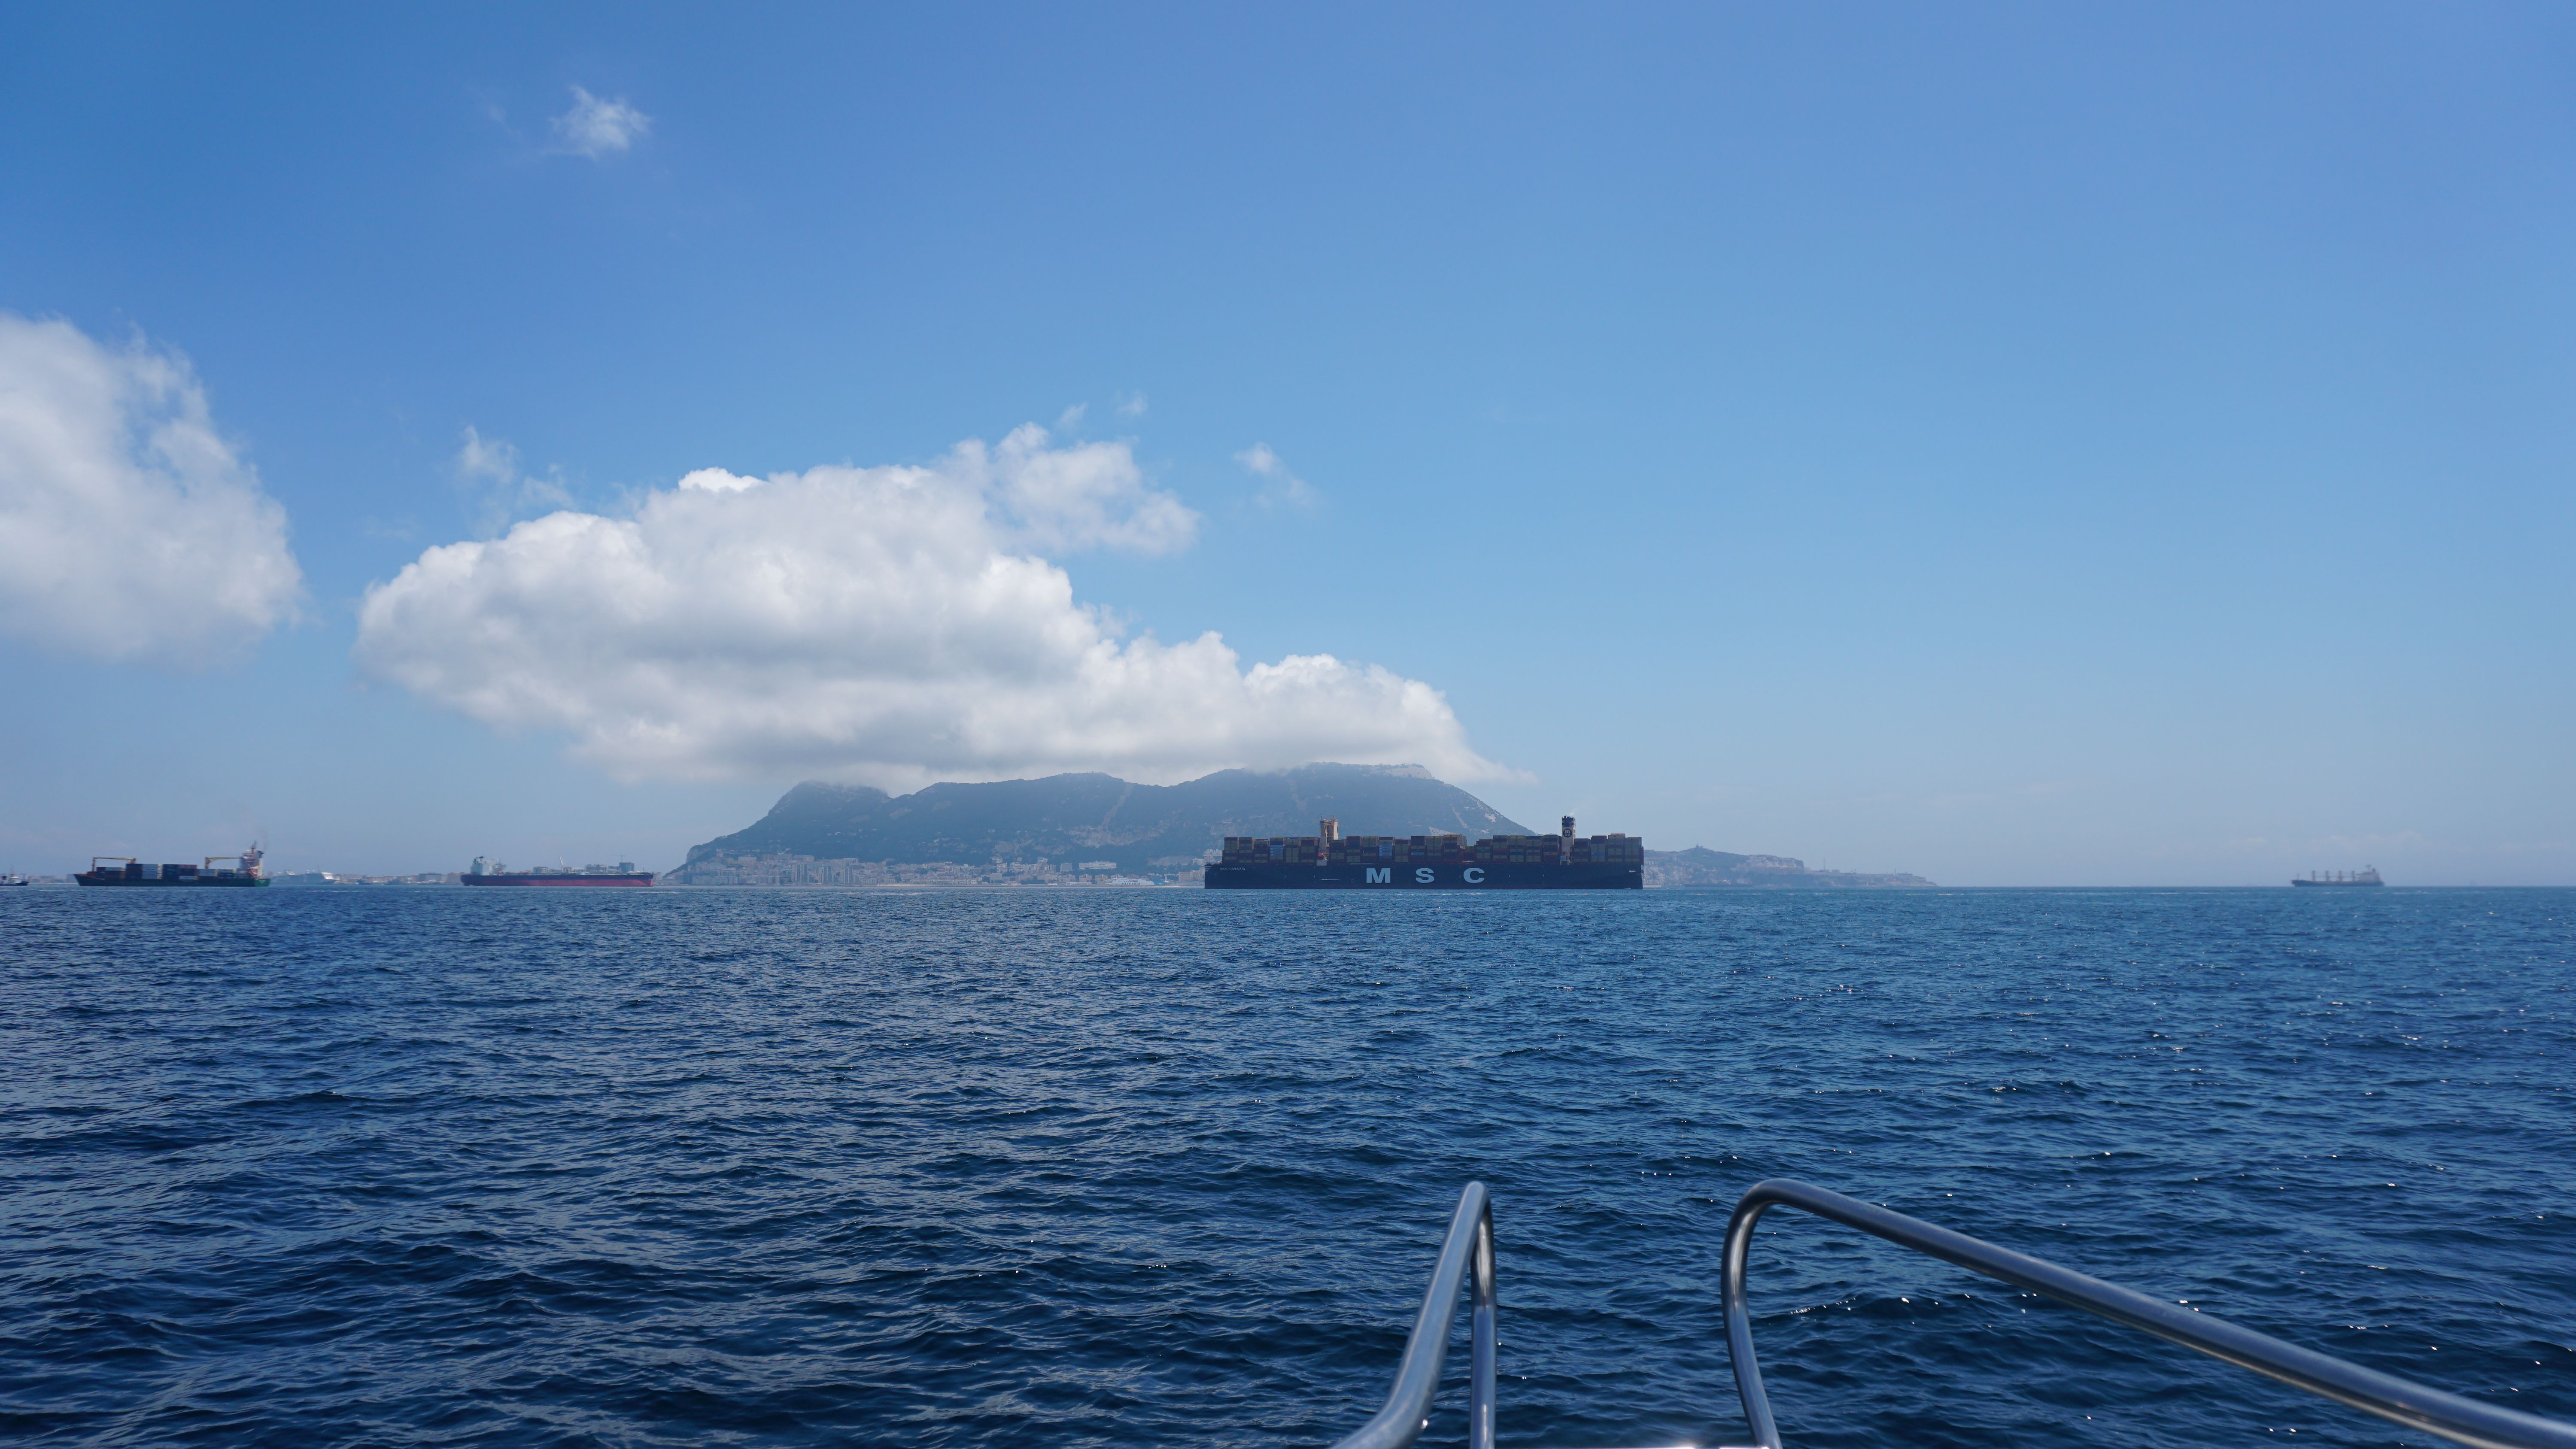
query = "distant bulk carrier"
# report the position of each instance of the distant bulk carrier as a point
(2366, 876)
(493, 873)
(1331, 861)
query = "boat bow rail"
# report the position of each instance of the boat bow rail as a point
(1470, 1247)
(1470, 1244)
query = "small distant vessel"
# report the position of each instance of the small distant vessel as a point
(494, 873)
(10, 880)
(2368, 875)
(125, 870)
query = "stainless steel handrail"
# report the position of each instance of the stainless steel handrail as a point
(1470, 1244)
(2434, 1411)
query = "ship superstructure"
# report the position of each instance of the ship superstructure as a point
(1330, 860)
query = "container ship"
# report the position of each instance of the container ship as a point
(493, 873)
(125, 870)
(1331, 861)
(2368, 875)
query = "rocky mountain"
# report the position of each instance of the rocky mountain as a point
(1701, 866)
(1078, 818)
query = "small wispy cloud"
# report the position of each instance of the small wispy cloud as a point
(1131, 405)
(1071, 418)
(595, 127)
(489, 467)
(1278, 485)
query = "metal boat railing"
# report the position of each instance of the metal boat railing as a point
(1471, 1243)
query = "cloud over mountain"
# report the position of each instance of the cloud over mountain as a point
(892, 625)
(129, 529)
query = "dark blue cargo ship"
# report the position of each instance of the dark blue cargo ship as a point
(120, 870)
(1331, 861)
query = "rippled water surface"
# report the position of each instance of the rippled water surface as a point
(1092, 1167)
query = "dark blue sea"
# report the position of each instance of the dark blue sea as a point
(390, 1167)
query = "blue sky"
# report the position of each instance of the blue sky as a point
(2048, 445)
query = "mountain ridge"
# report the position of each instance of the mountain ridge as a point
(1076, 820)
(1097, 817)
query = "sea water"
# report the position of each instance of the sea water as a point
(1093, 1167)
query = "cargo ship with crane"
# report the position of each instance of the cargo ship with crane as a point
(125, 870)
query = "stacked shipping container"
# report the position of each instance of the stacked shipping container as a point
(1432, 849)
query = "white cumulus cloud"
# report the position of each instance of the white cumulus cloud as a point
(893, 625)
(596, 127)
(129, 529)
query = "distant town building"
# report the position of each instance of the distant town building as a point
(783, 869)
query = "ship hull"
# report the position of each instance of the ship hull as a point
(2338, 884)
(185, 882)
(1404, 876)
(574, 882)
